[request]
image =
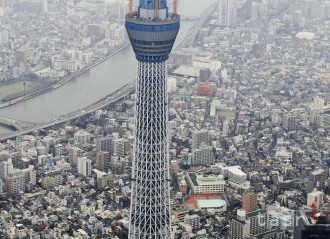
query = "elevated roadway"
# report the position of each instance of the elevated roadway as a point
(196, 27)
(120, 94)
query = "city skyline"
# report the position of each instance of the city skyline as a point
(227, 137)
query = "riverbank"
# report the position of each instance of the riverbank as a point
(63, 81)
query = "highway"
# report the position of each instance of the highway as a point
(120, 94)
(187, 41)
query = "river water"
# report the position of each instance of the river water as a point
(94, 84)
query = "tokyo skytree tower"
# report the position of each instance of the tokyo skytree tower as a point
(152, 31)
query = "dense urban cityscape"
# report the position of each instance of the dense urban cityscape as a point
(248, 123)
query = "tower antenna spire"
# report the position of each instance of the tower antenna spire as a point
(156, 8)
(130, 6)
(175, 7)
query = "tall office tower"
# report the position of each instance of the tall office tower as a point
(227, 13)
(152, 31)
(250, 202)
(311, 225)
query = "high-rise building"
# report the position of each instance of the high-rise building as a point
(82, 137)
(247, 225)
(104, 144)
(317, 179)
(102, 161)
(279, 217)
(6, 167)
(250, 202)
(152, 31)
(308, 225)
(316, 197)
(227, 13)
(85, 166)
(15, 182)
(193, 220)
(289, 122)
(52, 178)
(199, 137)
(317, 108)
(325, 119)
(239, 228)
(74, 154)
(202, 156)
(120, 147)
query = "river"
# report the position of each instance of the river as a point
(94, 84)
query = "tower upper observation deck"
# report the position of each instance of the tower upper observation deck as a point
(152, 30)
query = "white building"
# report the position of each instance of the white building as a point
(280, 217)
(119, 147)
(212, 205)
(229, 171)
(193, 221)
(82, 137)
(283, 155)
(85, 166)
(239, 183)
(171, 84)
(315, 196)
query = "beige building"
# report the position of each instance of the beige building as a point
(16, 182)
(250, 202)
(200, 184)
(52, 179)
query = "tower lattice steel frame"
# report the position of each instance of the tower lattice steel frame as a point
(152, 32)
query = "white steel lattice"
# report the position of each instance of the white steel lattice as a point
(150, 201)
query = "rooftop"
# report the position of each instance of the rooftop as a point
(211, 203)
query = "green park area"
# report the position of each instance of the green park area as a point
(14, 90)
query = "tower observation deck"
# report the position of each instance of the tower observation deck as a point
(152, 31)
